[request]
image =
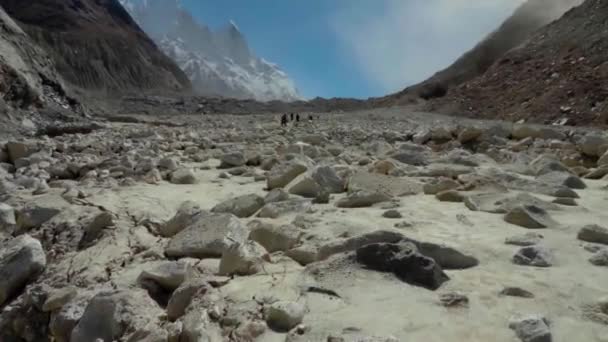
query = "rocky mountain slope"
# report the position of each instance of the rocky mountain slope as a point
(527, 19)
(95, 46)
(559, 74)
(219, 63)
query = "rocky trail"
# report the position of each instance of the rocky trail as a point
(370, 226)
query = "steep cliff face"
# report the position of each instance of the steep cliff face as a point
(218, 62)
(519, 27)
(560, 74)
(96, 46)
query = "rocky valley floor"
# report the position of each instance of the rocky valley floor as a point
(371, 226)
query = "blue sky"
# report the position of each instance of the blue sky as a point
(356, 48)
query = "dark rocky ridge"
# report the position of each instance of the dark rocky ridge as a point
(559, 74)
(96, 46)
(527, 19)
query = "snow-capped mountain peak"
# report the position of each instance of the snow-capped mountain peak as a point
(218, 62)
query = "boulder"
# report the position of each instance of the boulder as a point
(527, 239)
(169, 275)
(284, 315)
(593, 233)
(537, 255)
(600, 258)
(243, 259)
(403, 260)
(233, 159)
(183, 296)
(414, 158)
(57, 298)
(502, 203)
(362, 199)
(8, 222)
(17, 150)
(94, 229)
(450, 196)
(304, 185)
(531, 328)
(276, 195)
(351, 244)
(392, 214)
(440, 184)
(183, 176)
(598, 173)
(277, 209)
(241, 206)
(593, 145)
(563, 179)
(603, 161)
(275, 238)
(389, 185)
(383, 167)
(513, 291)
(22, 259)
(119, 315)
(529, 216)
(547, 164)
(187, 213)
(168, 164)
(447, 257)
(282, 174)
(469, 134)
(208, 237)
(34, 215)
(328, 179)
(304, 255)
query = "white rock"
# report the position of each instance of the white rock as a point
(285, 315)
(22, 259)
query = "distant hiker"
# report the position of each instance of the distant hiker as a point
(284, 120)
(297, 117)
(310, 117)
(291, 116)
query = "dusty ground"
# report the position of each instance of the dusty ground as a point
(341, 297)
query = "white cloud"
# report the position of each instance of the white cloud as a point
(400, 42)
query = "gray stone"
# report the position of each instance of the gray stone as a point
(351, 244)
(187, 213)
(18, 150)
(94, 229)
(243, 259)
(538, 256)
(565, 201)
(114, 315)
(362, 199)
(469, 134)
(35, 215)
(58, 298)
(208, 236)
(275, 238)
(169, 275)
(388, 185)
(531, 328)
(22, 259)
(453, 299)
(277, 209)
(328, 179)
(593, 145)
(8, 222)
(183, 176)
(183, 296)
(450, 196)
(527, 239)
(597, 311)
(529, 216)
(392, 214)
(304, 185)
(439, 185)
(284, 315)
(241, 206)
(304, 255)
(594, 233)
(233, 159)
(282, 174)
(276, 195)
(168, 164)
(564, 179)
(600, 258)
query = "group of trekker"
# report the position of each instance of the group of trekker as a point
(285, 118)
